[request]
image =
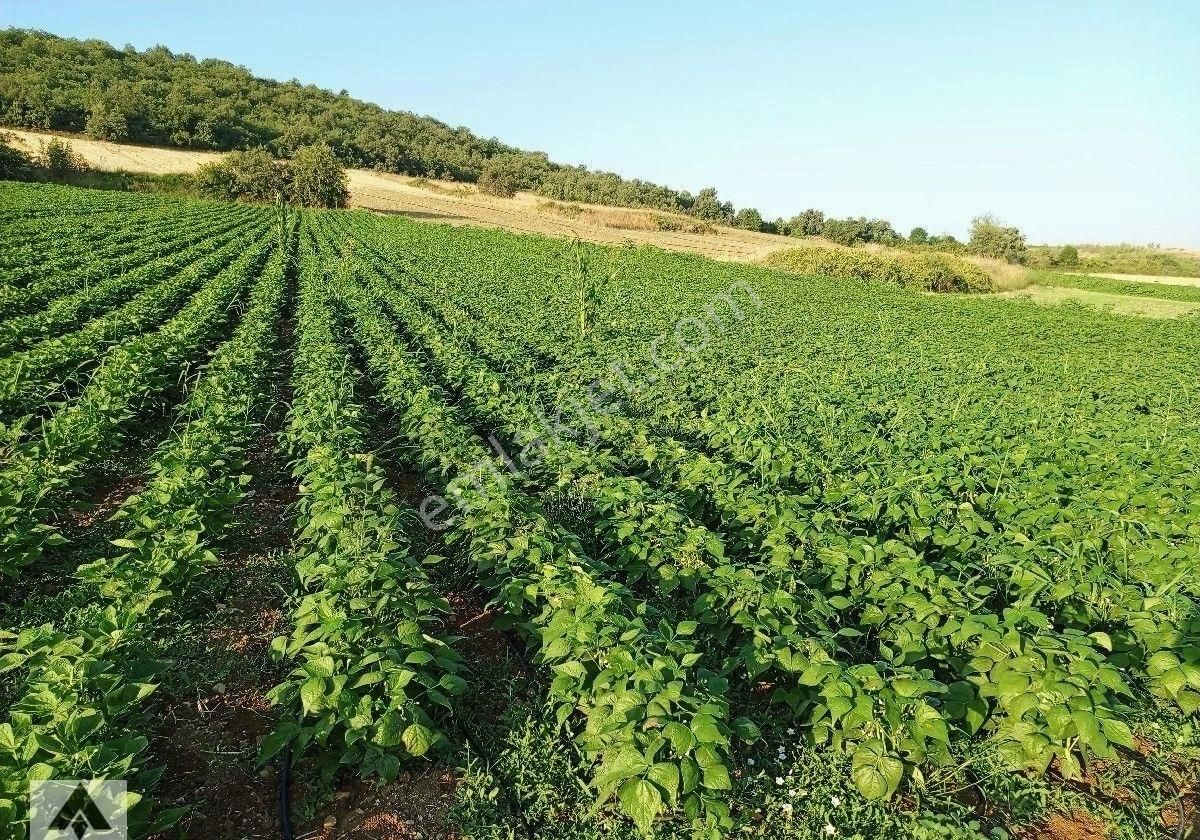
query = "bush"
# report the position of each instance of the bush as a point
(710, 208)
(1068, 257)
(60, 160)
(809, 223)
(318, 178)
(105, 123)
(948, 243)
(989, 238)
(15, 165)
(860, 231)
(499, 179)
(929, 272)
(252, 176)
(919, 236)
(749, 219)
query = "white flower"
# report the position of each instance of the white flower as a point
(787, 808)
(835, 801)
(791, 731)
(750, 761)
(830, 830)
(779, 780)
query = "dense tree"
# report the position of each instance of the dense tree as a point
(500, 178)
(707, 206)
(918, 236)
(317, 178)
(164, 98)
(859, 231)
(990, 238)
(809, 223)
(160, 97)
(749, 218)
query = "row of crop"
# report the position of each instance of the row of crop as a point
(73, 310)
(1008, 511)
(655, 715)
(1013, 668)
(920, 592)
(371, 662)
(41, 249)
(35, 244)
(1120, 542)
(134, 244)
(42, 460)
(763, 621)
(29, 377)
(20, 200)
(79, 705)
(1139, 608)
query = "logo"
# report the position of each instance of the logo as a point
(77, 810)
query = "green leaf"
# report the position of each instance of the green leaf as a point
(666, 776)
(681, 738)
(388, 731)
(746, 729)
(716, 777)
(312, 695)
(275, 741)
(1118, 732)
(320, 666)
(686, 628)
(640, 800)
(419, 739)
(620, 765)
(876, 774)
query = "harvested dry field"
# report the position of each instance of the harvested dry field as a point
(453, 203)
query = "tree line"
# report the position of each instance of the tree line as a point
(164, 98)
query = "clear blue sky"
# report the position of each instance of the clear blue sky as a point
(1077, 121)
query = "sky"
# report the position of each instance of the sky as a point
(1075, 121)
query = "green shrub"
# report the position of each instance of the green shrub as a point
(919, 236)
(313, 178)
(499, 179)
(243, 176)
(925, 271)
(318, 178)
(15, 165)
(749, 219)
(990, 238)
(809, 223)
(1068, 257)
(60, 160)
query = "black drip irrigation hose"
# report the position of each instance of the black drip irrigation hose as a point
(285, 804)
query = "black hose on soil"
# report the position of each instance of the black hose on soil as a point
(285, 805)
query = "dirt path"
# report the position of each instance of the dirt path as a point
(455, 204)
(1147, 278)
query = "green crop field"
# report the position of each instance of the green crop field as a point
(580, 541)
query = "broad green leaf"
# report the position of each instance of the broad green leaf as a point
(640, 800)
